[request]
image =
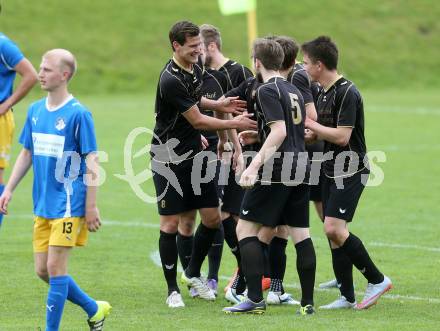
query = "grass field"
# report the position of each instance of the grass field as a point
(398, 222)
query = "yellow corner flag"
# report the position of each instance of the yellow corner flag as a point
(229, 7)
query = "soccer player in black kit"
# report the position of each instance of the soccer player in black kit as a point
(275, 195)
(232, 196)
(341, 125)
(175, 146)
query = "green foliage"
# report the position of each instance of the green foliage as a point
(122, 45)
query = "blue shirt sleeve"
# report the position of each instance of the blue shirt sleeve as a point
(10, 54)
(26, 133)
(86, 134)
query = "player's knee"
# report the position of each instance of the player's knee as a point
(331, 231)
(42, 273)
(169, 224)
(186, 227)
(212, 222)
(54, 269)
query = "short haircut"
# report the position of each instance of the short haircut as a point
(322, 49)
(210, 34)
(290, 49)
(269, 52)
(182, 29)
(65, 60)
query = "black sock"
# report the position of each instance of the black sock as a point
(202, 242)
(239, 283)
(229, 226)
(252, 265)
(306, 267)
(168, 257)
(277, 261)
(184, 247)
(343, 269)
(215, 254)
(358, 255)
(265, 248)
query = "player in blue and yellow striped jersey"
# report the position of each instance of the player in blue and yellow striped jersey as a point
(59, 141)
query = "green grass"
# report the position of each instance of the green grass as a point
(122, 45)
(116, 265)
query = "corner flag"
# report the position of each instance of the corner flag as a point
(229, 7)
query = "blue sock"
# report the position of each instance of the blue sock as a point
(80, 298)
(2, 188)
(56, 298)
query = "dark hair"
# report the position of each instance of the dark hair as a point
(269, 52)
(182, 29)
(322, 49)
(211, 34)
(290, 49)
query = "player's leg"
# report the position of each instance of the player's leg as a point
(210, 220)
(6, 134)
(337, 231)
(343, 270)
(277, 259)
(214, 257)
(296, 216)
(203, 238)
(58, 285)
(305, 266)
(252, 260)
(230, 209)
(185, 236)
(168, 252)
(318, 208)
(216, 251)
(170, 205)
(340, 211)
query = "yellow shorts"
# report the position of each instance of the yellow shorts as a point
(67, 232)
(7, 127)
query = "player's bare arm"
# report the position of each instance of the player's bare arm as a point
(28, 79)
(224, 105)
(203, 122)
(92, 212)
(339, 136)
(22, 165)
(273, 142)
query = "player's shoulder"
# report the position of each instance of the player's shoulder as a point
(298, 73)
(209, 72)
(170, 76)
(272, 88)
(36, 105)
(346, 87)
(77, 106)
(234, 66)
(4, 38)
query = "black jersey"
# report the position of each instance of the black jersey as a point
(247, 91)
(341, 105)
(309, 91)
(177, 91)
(299, 77)
(235, 73)
(214, 86)
(279, 100)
